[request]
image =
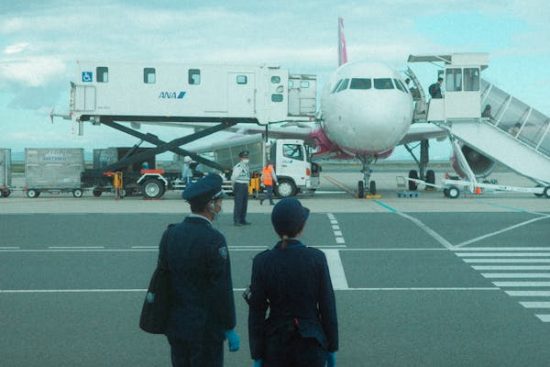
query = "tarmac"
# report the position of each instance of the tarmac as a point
(419, 281)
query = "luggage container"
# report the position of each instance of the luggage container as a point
(5, 172)
(53, 170)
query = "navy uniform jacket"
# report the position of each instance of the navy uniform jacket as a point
(198, 260)
(295, 284)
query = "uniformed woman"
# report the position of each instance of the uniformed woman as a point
(293, 281)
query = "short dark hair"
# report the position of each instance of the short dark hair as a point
(198, 205)
(440, 79)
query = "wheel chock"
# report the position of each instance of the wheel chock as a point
(408, 194)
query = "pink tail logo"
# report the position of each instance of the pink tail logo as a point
(342, 50)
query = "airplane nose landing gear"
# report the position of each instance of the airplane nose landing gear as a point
(366, 182)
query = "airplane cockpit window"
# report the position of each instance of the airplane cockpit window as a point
(471, 79)
(383, 83)
(453, 80)
(343, 85)
(400, 86)
(293, 151)
(336, 86)
(360, 83)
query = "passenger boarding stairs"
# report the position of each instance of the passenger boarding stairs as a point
(514, 134)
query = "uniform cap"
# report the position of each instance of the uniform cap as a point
(207, 188)
(243, 154)
(288, 216)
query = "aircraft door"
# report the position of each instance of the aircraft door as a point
(241, 94)
(277, 96)
(462, 92)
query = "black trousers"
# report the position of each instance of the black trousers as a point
(196, 354)
(240, 192)
(293, 351)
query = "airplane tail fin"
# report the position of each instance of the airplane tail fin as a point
(342, 50)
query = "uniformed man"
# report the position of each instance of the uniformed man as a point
(203, 310)
(435, 89)
(240, 178)
(293, 280)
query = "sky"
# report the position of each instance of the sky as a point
(40, 41)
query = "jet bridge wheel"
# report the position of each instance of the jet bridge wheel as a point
(153, 188)
(77, 193)
(360, 189)
(413, 185)
(32, 193)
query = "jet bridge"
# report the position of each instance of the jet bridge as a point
(489, 120)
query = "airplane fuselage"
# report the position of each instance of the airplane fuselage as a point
(366, 109)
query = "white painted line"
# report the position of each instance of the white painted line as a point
(504, 249)
(146, 247)
(518, 261)
(535, 304)
(336, 268)
(516, 275)
(9, 248)
(340, 240)
(330, 246)
(428, 230)
(70, 290)
(76, 247)
(428, 289)
(477, 239)
(330, 216)
(336, 227)
(397, 249)
(503, 254)
(528, 293)
(544, 318)
(522, 284)
(511, 267)
(333, 221)
(338, 233)
(247, 247)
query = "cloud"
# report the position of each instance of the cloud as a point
(16, 48)
(31, 71)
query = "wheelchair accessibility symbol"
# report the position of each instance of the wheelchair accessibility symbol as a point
(87, 76)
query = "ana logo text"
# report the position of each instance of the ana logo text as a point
(172, 95)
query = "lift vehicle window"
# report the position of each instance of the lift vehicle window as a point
(360, 83)
(102, 74)
(293, 151)
(304, 84)
(471, 79)
(336, 86)
(194, 77)
(383, 83)
(276, 97)
(343, 85)
(149, 76)
(275, 79)
(242, 79)
(453, 80)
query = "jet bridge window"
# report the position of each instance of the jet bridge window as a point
(383, 83)
(453, 80)
(293, 151)
(242, 79)
(276, 97)
(194, 77)
(360, 83)
(471, 79)
(102, 74)
(275, 79)
(149, 76)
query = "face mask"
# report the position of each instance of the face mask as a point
(245, 161)
(215, 209)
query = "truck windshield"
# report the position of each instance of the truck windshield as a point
(293, 151)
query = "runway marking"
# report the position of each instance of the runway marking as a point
(519, 261)
(336, 269)
(544, 318)
(528, 293)
(339, 237)
(522, 284)
(75, 247)
(492, 234)
(520, 210)
(428, 289)
(503, 254)
(511, 267)
(535, 304)
(516, 275)
(504, 249)
(9, 248)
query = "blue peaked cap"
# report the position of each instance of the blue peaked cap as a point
(288, 216)
(208, 187)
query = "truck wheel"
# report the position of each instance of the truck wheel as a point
(97, 193)
(153, 188)
(546, 192)
(453, 192)
(77, 193)
(32, 193)
(413, 185)
(286, 188)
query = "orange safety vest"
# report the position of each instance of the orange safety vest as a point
(267, 175)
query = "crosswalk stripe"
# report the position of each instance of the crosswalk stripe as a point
(535, 304)
(522, 284)
(519, 261)
(336, 269)
(511, 267)
(489, 249)
(528, 293)
(544, 318)
(516, 275)
(503, 254)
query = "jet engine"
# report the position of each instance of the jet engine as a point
(480, 164)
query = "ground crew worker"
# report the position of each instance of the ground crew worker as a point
(118, 184)
(269, 179)
(293, 280)
(203, 309)
(240, 178)
(435, 89)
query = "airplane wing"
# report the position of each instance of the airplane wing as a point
(422, 131)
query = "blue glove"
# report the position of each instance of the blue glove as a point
(258, 363)
(233, 340)
(331, 359)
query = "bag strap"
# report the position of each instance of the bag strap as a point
(163, 248)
